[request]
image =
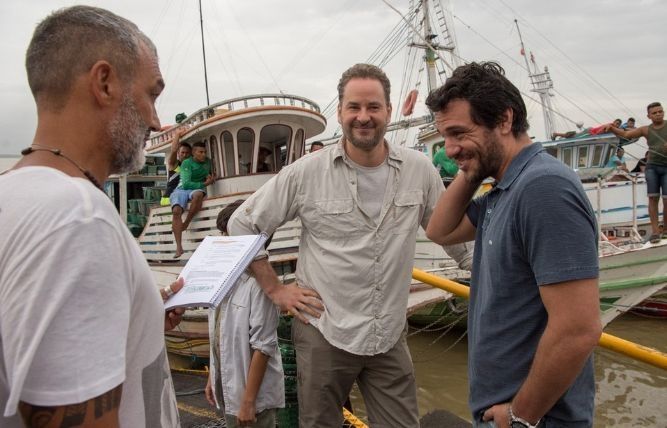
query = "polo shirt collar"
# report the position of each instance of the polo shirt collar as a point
(518, 164)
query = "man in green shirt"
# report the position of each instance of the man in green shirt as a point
(196, 174)
(445, 166)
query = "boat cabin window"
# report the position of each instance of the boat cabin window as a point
(567, 156)
(213, 150)
(209, 152)
(608, 155)
(246, 143)
(598, 149)
(273, 145)
(298, 150)
(582, 157)
(552, 151)
(228, 154)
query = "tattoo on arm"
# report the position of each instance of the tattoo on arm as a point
(71, 415)
(107, 402)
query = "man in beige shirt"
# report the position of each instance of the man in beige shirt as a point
(360, 203)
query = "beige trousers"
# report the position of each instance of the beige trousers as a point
(325, 375)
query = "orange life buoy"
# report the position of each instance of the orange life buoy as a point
(409, 103)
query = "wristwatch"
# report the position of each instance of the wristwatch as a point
(517, 422)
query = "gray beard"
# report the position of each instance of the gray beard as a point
(127, 132)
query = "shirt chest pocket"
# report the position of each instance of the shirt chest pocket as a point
(336, 218)
(408, 208)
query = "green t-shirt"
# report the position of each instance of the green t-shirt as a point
(193, 173)
(445, 166)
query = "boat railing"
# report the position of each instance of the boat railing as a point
(232, 104)
(624, 176)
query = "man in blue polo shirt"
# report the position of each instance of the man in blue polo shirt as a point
(533, 320)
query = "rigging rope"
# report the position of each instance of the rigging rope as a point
(627, 109)
(426, 42)
(254, 47)
(516, 62)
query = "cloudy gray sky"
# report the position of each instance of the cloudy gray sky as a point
(607, 58)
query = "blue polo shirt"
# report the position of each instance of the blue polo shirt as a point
(535, 228)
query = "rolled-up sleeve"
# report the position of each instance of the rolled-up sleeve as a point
(263, 323)
(273, 204)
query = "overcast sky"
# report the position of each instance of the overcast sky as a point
(607, 58)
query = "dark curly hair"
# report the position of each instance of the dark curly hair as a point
(489, 93)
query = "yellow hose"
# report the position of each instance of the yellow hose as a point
(608, 341)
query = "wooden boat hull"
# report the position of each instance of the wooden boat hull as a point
(625, 279)
(651, 308)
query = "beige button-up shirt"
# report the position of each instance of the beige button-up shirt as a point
(360, 267)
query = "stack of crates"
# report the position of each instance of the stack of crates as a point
(289, 416)
(152, 196)
(154, 166)
(135, 221)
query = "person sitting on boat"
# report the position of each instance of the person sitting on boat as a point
(595, 130)
(196, 174)
(317, 145)
(262, 164)
(656, 164)
(180, 150)
(618, 160)
(446, 167)
(641, 165)
(246, 374)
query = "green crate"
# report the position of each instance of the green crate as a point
(135, 229)
(288, 417)
(151, 169)
(133, 205)
(152, 194)
(133, 218)
(145, 208)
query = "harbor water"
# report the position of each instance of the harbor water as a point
(629, 393)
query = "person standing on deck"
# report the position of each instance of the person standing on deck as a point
(656, 165)
(533, 319)
(81, 320)
(360, 204)
(196, 174)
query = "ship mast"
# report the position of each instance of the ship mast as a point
(430, 55)
(542, 85)
(203, 49)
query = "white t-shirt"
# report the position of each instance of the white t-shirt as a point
(79, 311)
